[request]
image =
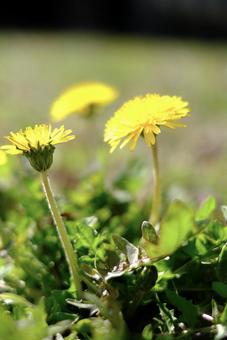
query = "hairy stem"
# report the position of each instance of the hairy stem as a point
(70, 255)
(156, 196)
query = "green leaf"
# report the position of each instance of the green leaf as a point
(147, 333)
(216, 230)
(224, 212)
(223, 317)
(168, 318)
(56, 306)
(215, 312)
(222, 265)
(149, 233)
(81, 305)
(164, 337)
(188, 310)
(60, 327)
(34, 327)
(13, 298)
(206, 209)
(175, 227)
(200, 242)
(84, 235)
(220, 288)
(127, 248)
(84, 326)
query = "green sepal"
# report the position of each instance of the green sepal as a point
(41, 159)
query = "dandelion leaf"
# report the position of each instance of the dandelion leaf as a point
(174, 229)
(206, 209)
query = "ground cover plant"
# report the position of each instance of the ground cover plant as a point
(99, 263)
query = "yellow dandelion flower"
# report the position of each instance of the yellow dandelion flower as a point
(3, 157)
(144, 115)
(37, 144)
(82, 98)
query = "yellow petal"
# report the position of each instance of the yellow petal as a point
(147, 113)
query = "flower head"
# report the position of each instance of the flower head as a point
(37, 144)
(144, 115)
(82, 98)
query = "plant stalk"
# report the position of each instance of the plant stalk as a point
(70, 255)
(156, 196)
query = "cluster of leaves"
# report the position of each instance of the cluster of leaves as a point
(138, 283)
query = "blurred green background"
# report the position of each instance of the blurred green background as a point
(37, 67)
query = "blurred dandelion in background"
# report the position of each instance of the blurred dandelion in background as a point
(84, 99)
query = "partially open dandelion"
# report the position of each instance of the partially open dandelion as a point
(38, 144)
(145, 116)
(84, 98)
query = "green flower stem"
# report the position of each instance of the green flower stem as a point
(66, 244)
(156, 197)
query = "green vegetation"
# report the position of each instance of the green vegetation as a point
(129, 296)
(138, 282)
